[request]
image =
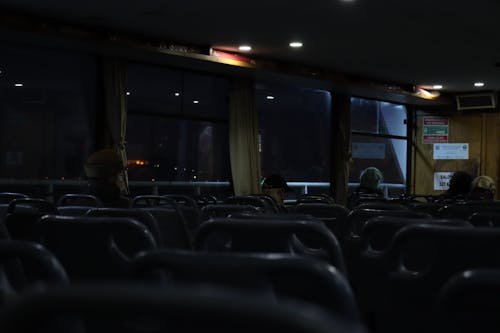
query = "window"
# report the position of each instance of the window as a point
(177, 128)
(379, 139)
(294, 130)
(47, 112)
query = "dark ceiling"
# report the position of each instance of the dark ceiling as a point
(426, 42)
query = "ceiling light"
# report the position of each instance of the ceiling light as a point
(270, 97)
(18, 84)
(128, 93)
(177, 94)
(437, 87)
(479, 84)
(296, 44)
(196, 102)
(245, 48)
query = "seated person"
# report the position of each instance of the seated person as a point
(482, 188)
(105, 172)
(459, 188)
(276, 187)
(369, 182)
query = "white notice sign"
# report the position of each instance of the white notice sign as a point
(442, 180)
(451, 151)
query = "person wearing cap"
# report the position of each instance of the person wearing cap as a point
(369, 186)
(482, 188)
(276, 187)
(104, 170)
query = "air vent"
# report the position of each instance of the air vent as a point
(476, 101)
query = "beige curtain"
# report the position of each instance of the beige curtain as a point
(342, 157)
(243, 138)
(115, 89)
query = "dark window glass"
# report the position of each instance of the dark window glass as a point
(377, 117)
(47, 112)
(168, 149)
(388, 155)
(177, 128)
(294, 128)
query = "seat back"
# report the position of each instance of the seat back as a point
(423, 257)
(377, 233)
(171, 222)
(224, 210)
(467, 209)
(73, 210)
(85, 200)
(189, 209)
(94, 247)
(7, 197)
(140, 215)
(274, 277)
(315, 198)
(358, 218)
(334, 216)
(22, 216)
(25, 264)
(485, 219)
(381, 205)
(242, 235)
(129, 308)
(250, 200)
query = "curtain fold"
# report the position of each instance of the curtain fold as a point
(115, 89)
(243, 138)
(341, 137)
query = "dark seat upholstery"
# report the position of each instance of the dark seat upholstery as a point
(378, 232)
(313, 198)
(140, 215)
(252, 200)
(7, 197)
(423, 257)
(469, 302)
(85, 200)
(358, 218)
(94, 247)
(223, 210)
(25, 264)
(245, 235)
(189, 209)
(274, 276)
(171, 222)
(485, 219)
(334, 216)
(466, 209)
(376, 238)
(22, 216)
(73, 210)
(382, 206)
(130, 308)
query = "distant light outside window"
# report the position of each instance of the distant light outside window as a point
(47, 126)
(294, 132)
(179, 140)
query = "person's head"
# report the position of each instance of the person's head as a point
(276, 187)
(482, 188)
(371, 178)
(460, 183)
(104, 166)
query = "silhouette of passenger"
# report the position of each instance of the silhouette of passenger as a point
(276, 187)
(369, 187)
(482, 188)
(104, 170)
(460, 184)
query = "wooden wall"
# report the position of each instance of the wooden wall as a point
(480, 130)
